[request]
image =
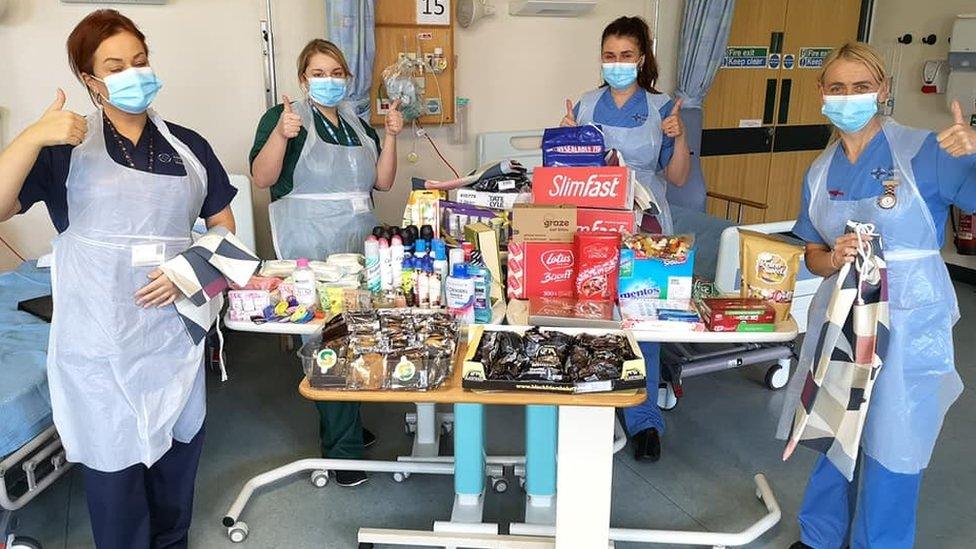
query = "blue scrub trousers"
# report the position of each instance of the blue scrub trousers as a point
(145, 508)
(647, 415)
(882, 515)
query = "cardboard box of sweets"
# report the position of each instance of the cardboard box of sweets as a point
(475, 374)
(531, 222)
(572, 313)
(663, 275)
(737, 315)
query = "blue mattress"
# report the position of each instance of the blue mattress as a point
(708, 233)
(25, 403)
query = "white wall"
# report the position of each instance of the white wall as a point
(207, 53)
(892, 19)
(517, 71)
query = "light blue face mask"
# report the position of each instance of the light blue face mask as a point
(850, 113)
(133, 89)
(620, 75)
(327, 92)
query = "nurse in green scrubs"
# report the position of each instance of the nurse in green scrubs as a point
(322, 163)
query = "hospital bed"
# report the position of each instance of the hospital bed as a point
(31, 456)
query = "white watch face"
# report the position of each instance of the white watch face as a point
(887, 201)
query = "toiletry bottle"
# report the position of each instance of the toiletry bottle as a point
(396, 259)
(305, 287)
(460, 294)
(386, 265)
(372, 249)
(440, 265)
(407, 282)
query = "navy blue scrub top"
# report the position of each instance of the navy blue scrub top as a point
(47, 180)
(942, 181)
(632, 114)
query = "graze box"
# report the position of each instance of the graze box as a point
(543, 223)
(596, 220)
(592, 187)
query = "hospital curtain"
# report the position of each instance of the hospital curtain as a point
(351, 26)
(704, 37)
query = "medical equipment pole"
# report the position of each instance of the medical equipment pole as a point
(270, 76)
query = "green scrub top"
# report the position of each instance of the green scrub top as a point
(327, 131)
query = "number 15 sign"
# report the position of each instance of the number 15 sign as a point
(433, 12)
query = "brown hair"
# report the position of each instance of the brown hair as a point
(861, 53)
(319, 45)
(636, 28)
(91, 31)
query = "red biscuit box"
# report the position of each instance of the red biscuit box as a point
(591, 187)
(599, 220)
(550, 269)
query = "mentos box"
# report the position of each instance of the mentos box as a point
(550, 269)
(608, 187)
(654, 278)
(598, 220)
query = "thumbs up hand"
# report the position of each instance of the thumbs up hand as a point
(570, 118)
(394, 119)
(672, 126)
(959, 139)
(289, 123)
(58, 126)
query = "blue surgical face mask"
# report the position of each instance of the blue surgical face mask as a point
(850, 113)
(133, 89)
(620, 75)
(327, 92)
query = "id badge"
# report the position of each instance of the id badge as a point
(148, 255)
(360, 205)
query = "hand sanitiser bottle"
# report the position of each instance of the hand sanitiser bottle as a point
(305, 291)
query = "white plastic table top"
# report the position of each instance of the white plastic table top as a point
(314, 327)
(518, 315)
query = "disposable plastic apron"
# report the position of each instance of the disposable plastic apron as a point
(125, 381)
(640, 146)
(918, 381)
(330, 208)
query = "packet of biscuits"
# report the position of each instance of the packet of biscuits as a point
(769, 265)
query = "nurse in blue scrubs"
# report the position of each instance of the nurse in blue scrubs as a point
(903, 181)
(645, 126)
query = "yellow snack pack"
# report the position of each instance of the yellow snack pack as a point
(769, 265)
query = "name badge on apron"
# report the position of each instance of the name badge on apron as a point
(360, 205)
(888, 199)
(148, 255)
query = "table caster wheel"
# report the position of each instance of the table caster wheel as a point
(400, 476)
(22, 542)
(447, 428)
(499, 485)
(409, 428)
(238, 532)
(777, 377)
(320, 479)
(522, 483)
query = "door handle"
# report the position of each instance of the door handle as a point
(769, 103)
(776, 42)
(784, 100)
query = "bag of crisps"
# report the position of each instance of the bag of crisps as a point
(769, 264)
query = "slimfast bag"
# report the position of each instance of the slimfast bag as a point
(769, 265)
(573, 146)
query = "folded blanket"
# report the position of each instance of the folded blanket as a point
(202, 272)
(849, 355)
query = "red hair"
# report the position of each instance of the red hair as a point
(89, 34)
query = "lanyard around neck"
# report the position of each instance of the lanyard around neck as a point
(328, 126)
